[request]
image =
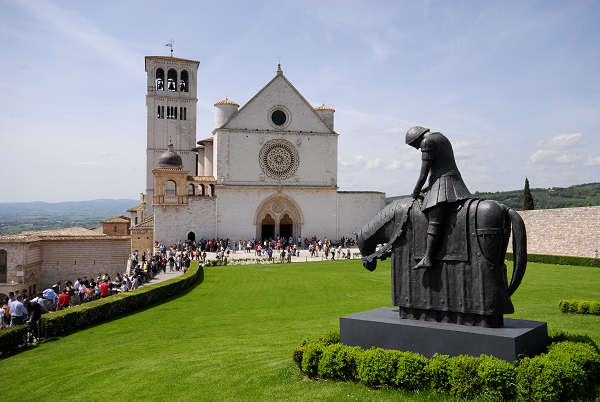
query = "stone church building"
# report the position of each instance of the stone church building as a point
(268, 169)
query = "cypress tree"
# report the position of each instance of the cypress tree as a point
(527, 197)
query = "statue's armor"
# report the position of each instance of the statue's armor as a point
(445, 182)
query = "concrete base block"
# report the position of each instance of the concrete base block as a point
(384, 328)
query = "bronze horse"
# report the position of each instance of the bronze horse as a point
(468, 283)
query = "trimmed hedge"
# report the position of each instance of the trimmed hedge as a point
(579, 306)
(570, 370)
(94, 312)
(560, 260)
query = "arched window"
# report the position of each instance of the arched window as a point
(3, 260)
(172, 80)
(159, 82)
(170, 188)
(160, 112)
(185, 113)
(191, 190)
(183, 82)
(175, 112)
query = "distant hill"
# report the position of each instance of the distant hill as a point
(581, 195)
(16, 217)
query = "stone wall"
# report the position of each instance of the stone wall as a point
(173, 223)
(562, 231)
(70, 259)
(142, 240)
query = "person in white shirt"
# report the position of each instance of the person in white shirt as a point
(17, 312)
(595, 255)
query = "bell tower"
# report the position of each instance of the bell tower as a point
(171, 113)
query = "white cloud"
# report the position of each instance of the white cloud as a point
(566, 158)
(542, 155)
(357, 160)
(565, 140)
(374, 163)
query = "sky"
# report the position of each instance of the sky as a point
(515, 86)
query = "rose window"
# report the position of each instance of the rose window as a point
(278, 159)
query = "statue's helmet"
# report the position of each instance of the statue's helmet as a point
(414, 133)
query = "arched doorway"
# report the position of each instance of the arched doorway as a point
(286, 226)
(191, 236)
(267, 227)
(284, 217)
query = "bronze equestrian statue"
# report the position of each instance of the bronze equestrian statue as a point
(447, 247)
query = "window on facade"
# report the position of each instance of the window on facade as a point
(185, 113)
(170, 188)
(159, 82)
(115, 228)
(183, 82)
(172, 80)
(3, 261)
(160, 112)
(175, 112)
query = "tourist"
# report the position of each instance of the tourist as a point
(35, 315)
(595, 255)
(104, 289)
(17, 312)
(64, 300)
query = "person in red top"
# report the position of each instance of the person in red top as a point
(64, 300)
(105, 289)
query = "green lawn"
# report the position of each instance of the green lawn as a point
(232, 336)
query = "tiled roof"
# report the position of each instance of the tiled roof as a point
(116, 219)
(226, 101)
(146, 224)
(323, 107)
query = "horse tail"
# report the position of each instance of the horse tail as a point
(519, 245)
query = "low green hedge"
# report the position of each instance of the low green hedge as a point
(579, 306)
(74, 318)
(560, 260)
(570, 370)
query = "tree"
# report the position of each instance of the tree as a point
(527, 197)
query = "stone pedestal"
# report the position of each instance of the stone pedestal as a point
(384, 328)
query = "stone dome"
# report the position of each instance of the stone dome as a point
(170, 159)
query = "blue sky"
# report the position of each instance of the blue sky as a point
(514, 85)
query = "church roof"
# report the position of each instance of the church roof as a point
(323, 107)
(170, 158)
(279, 74)
(226, 101)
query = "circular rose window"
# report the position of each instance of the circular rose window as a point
(278, 159)
(278, 117)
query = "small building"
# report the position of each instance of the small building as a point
(35, 260)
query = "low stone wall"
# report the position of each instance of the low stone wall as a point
(562, 231)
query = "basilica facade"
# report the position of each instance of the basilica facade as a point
(268, 169)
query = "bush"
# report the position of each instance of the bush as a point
(310, 358)
(411, 371)
(584, 355)
(579, 307)
(560, 260)
(570, 370)
(438, 372)
(298, 354)
(12, 338)
(498, 378)
(462, 377)
(332, 337)
(377, 367)
(62, 322)
(340, 362)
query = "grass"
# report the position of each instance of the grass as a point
(232, 336)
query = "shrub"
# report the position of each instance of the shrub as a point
(438, 370)
(560, 260)
(298, 354)
(579, 306)
(330, 338)
(462, 377)
(310, 358)
(584, 355)
(498, 378)
(377, 367)
(411, 371)
(339, 362)
(550, 378)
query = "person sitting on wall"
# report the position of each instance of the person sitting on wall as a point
(64, 300)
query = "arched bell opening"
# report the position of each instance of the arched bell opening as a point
(172, 80)
(183, 82)
(191, 189)
(191, 236)
(159, 82)
(267, 227)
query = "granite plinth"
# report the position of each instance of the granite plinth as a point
(384, 328)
